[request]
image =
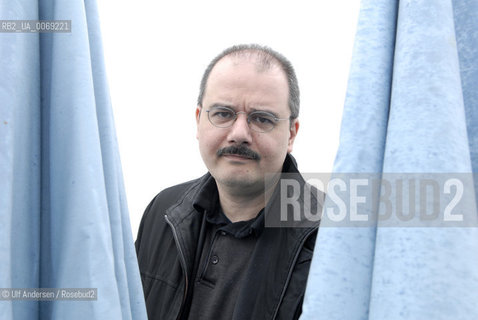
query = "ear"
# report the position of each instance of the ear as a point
(294, 128)
(198, 113)
(198, 116)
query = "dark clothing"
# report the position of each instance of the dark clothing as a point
(171, 238)
(223, 262)
(222, 267)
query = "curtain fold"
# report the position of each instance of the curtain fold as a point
(410, 108)
(64, 217)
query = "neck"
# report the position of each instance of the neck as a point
(240, 206)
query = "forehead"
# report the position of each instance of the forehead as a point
(247, 81)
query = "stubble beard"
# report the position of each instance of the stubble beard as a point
(242, 185)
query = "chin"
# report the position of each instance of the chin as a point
(241, 181)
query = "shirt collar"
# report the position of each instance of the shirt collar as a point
(207, 198)
(207, 201)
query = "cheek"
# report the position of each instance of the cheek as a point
(278, 148)
(209, 141)
(273, 150)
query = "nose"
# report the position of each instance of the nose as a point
(240, 132)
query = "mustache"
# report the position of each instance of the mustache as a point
(240, 150)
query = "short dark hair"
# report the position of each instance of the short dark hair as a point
(267, 57)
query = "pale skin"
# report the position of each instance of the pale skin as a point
(238, 83)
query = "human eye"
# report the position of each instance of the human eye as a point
(262, 118)
(222, 113)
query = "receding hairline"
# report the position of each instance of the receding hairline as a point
(265, 59)
(263, 62)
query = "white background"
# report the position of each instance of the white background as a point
(156, 52)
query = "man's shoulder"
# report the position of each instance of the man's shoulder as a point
(153, 221)
(174, 194)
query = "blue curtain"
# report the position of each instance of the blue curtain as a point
(411, 106)
(64, 221)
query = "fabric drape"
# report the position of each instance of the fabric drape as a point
(410, 108)
(64, 221)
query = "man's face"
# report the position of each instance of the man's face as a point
(237, 83)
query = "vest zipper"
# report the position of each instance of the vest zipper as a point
(290, 271)
(182, 260)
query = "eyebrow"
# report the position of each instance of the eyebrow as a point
(265, 110)
(216, 105)
(222, 105)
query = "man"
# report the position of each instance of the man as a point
(204, 248)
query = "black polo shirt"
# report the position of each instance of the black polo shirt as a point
(222, 258)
